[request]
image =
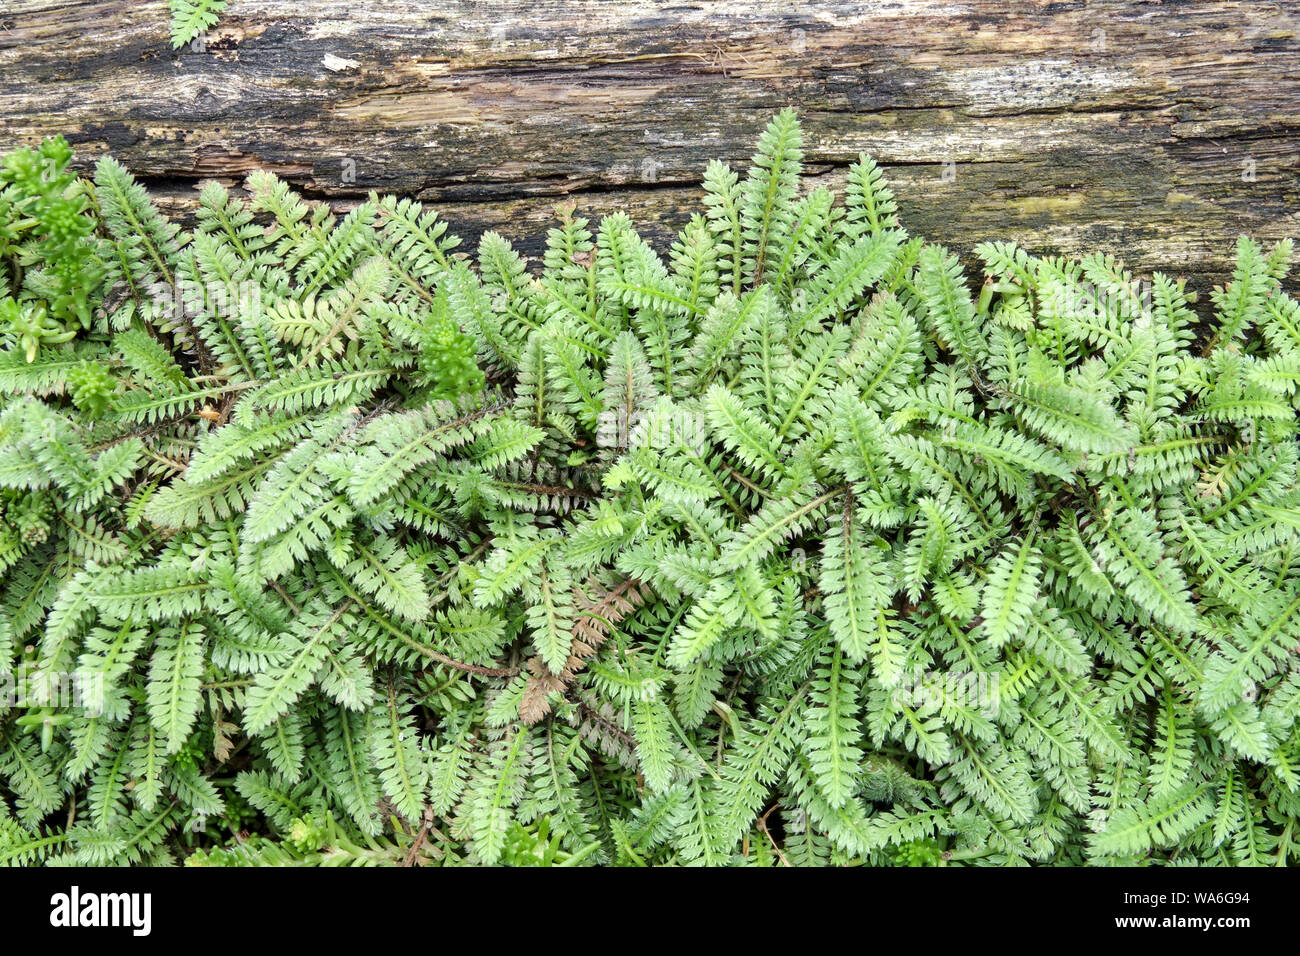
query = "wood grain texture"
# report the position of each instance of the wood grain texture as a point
(1158, 131)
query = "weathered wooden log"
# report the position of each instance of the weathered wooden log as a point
(1158, 131)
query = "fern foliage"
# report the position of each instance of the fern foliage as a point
(190, 18)
(323, 543)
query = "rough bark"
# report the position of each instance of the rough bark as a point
(1158, 131)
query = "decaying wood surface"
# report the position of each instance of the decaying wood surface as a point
(1158, 131)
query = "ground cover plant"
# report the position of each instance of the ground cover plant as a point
(322, 542)
(191, 18)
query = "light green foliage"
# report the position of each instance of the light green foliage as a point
(781, 547)
(192, 17)
(51, 262)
